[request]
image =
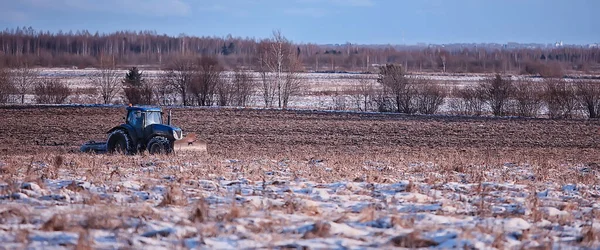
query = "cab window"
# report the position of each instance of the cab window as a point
(153, 118)
(135, 118)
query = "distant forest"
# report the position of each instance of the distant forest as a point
(148, 49)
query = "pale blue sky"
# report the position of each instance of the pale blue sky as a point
(323, 21)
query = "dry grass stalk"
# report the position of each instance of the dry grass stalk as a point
(104, 222)
(234, 212)
(73, 186)
(535, 208)
(368, 214)
(57, 222)
(590, 235)
(499, 240)
(174, 196)
(200, 212)
(58, 161)
(84, 242)
(404, 223)
(90, 198)
(320, 229)
(14, 212)
(22, 236)
(410, 187)
(412, 240)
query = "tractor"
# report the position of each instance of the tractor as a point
(144, 130)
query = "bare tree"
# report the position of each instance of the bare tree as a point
(164, 90)
(560, 98)
(429, 96)
(278, 66)
(53, 91)
(225, 91)
(6, 85)
(497, 92)
(106, 79)
(339, 99)
(291, 85)
(588, 95)
(363, 94)
(397, 88)
(268, 85)
(181, 76)
(243, 86)
(235, 89)
(528, 98)
(206, 80)
(24, 78)
(467, 101)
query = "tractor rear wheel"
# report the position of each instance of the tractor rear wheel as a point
(119, 142)
(159, 145)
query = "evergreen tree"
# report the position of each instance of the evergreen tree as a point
(134, 78)
(225, 50)
(135, 88)
(231, 48)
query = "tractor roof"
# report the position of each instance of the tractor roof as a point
(144, 108)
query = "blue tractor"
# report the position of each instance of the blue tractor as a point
(143, 130)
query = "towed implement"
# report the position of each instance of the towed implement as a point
(144, 130)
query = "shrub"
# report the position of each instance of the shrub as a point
(6, 85)
(588, 95)
(363, 94)
(551, 69)
(467, 101)
(398, 91)
(429, 97)
(528, 98)
(496, 92)
(560, 98)
(52, 91)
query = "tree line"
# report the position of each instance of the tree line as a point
(201, 81)
(85, 49)
(185, 80)
(395, 90)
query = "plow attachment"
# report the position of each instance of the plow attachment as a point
(190, 143)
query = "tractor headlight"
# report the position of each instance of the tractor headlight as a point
(177, 134)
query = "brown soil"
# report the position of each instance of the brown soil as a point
(308, 135)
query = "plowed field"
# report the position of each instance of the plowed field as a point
(274, 133)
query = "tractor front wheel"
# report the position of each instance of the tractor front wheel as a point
(159, 145)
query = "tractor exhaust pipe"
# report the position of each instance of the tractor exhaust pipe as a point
(169, 118)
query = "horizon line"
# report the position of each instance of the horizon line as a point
(230, 36)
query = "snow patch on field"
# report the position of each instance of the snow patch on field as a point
(142, 209)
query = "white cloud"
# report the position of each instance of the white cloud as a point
(140, 7)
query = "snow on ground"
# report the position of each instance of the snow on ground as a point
(321, 91)
(154, 204)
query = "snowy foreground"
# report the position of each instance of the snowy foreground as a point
(157, 203)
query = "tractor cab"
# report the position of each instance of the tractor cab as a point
(141, 118)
